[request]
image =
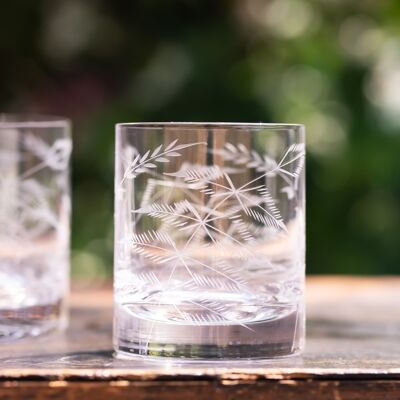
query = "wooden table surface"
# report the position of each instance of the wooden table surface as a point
(352, 352)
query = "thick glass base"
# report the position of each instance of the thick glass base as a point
(31, 321)
(158, 352)
(276, 337)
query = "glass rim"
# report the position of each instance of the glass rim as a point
(213, 125)
(11, 120)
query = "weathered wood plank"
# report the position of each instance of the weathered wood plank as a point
(203, 390)
(353, 351)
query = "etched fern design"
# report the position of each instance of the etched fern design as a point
(149, 160)
(55, 156)
(26, 208)
(293, 156)
(216, 217)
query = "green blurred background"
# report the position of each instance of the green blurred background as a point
(333, 65)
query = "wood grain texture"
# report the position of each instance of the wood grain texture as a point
(352, 352)
(267, 390)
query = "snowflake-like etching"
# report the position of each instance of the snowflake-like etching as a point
(202, 217)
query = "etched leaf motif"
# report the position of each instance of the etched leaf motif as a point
(59, 153)
(174, 214)
(204, 221)
(149, 165)
(32, 208)
(240, 155)
(36, 145)
(198, 173)
(55, 156)
(143, 163)
(211, 282)
(156, 150)
(171, 145)
(162, 159)
(161, 248)
(144, 157)
(29, 213)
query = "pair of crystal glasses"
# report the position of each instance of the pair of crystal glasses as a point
(209, 236)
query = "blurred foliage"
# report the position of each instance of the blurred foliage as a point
(333, 65)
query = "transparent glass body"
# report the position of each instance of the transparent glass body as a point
(34, 224)
(209, 240)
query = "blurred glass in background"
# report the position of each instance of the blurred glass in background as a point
(332, 65)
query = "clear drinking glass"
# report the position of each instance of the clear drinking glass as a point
(209, 240)
(34, 224)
